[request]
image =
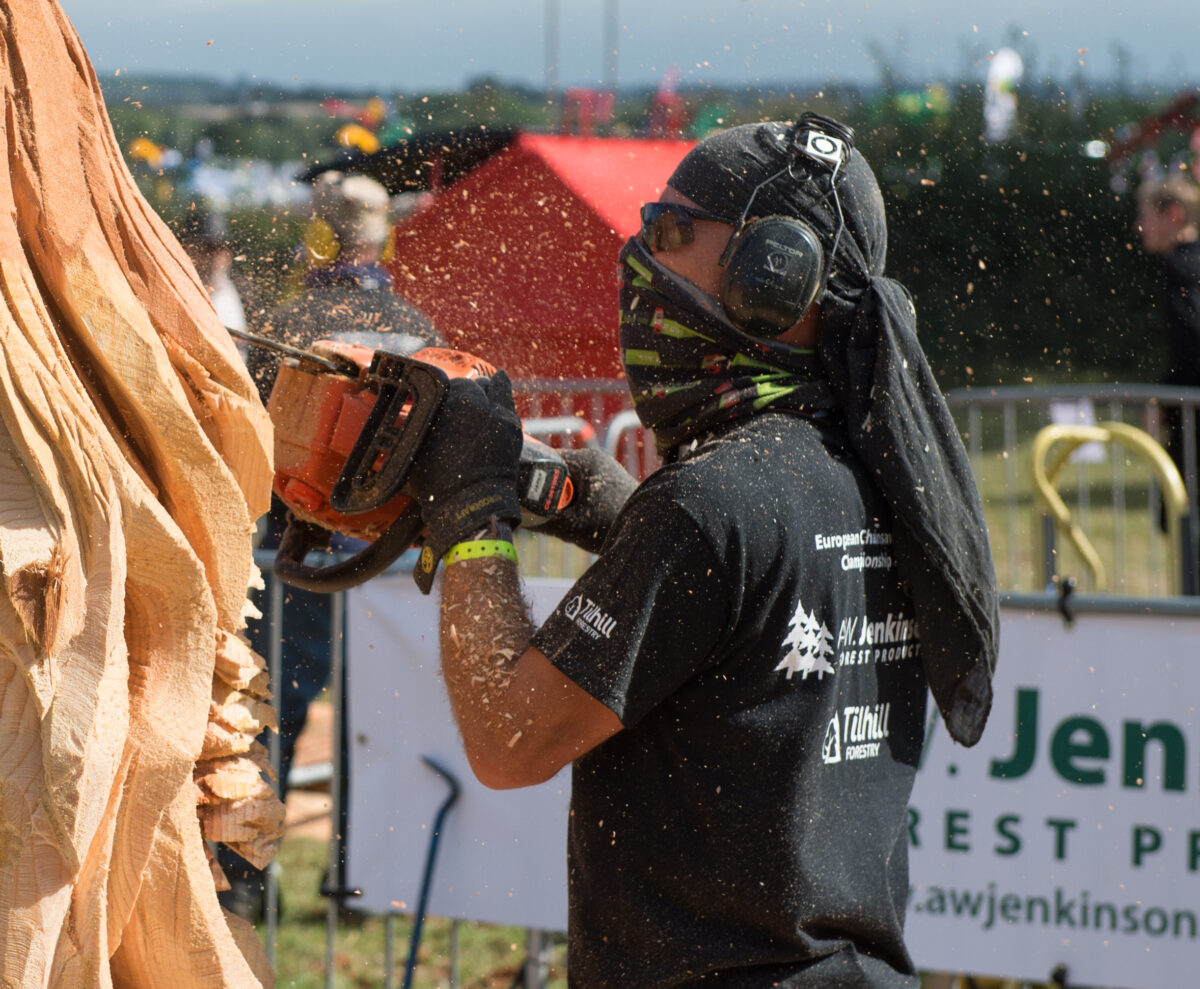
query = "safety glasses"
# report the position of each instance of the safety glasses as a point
(666, 226)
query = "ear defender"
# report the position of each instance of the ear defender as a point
(775, 266)
(773, 274)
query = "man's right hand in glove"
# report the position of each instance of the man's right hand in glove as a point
(464, 479)
(601, 486)
(520, 718)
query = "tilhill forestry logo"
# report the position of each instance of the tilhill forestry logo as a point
(589, 618)
(858, 733)
(831, 747)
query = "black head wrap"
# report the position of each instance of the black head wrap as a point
(897, 420)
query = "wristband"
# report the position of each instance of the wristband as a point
(476, 549)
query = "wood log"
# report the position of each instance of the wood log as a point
(134, 458)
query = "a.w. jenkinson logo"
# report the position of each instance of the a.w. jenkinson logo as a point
(811, 645)
(858, 734)
(586, 614)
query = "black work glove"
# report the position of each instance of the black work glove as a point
(601, 487)
(464, 477)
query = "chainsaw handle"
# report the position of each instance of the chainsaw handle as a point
(409, 396)
(300, 537)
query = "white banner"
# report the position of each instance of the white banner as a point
(502, 855)
(1069, 835)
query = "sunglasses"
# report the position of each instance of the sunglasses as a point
(666, 226)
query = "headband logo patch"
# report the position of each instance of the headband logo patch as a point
(830, 150)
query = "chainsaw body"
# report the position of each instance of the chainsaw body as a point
(349, 423)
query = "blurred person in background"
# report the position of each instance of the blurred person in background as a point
(347, 290)
(347, 296)
(1168, 220)
(205, 236)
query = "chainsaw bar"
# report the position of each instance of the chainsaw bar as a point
(303, 357)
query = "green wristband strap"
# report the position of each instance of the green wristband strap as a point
(476, 549)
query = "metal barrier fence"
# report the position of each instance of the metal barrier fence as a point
(540, 556)
(605, 405)
(1110, 495)
(1104, 490)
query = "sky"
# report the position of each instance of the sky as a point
(418, 45)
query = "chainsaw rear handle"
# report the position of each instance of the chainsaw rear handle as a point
(544, 487)
(299, 538)
(409, 393)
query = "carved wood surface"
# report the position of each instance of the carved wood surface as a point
(134, 458)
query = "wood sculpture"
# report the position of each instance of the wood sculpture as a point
(134, 458)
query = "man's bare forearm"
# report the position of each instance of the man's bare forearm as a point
(521, 719)
(485, 628)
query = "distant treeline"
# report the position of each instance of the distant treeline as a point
(1021, 255)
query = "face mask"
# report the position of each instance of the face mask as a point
(689, 369)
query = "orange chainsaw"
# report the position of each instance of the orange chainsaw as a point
(349, 422)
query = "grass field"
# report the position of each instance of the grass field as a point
(489, 957)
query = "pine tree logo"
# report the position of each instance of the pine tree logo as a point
(831, 747)
(810, 642)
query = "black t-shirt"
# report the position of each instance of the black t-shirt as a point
(746, 623)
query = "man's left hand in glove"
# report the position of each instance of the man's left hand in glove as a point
(464, 479)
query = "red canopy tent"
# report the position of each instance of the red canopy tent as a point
(516, 261)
